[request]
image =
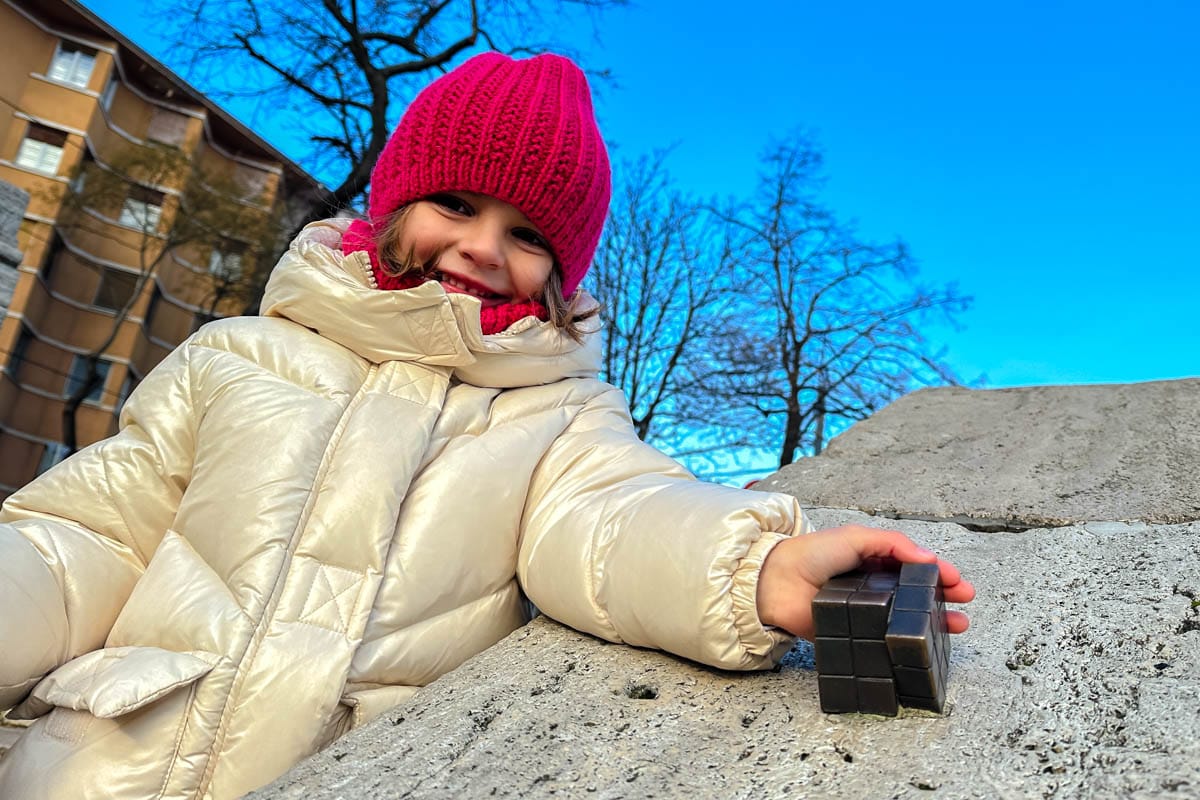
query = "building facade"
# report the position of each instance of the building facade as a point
(103, 274)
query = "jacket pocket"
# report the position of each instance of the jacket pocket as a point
(116, 680)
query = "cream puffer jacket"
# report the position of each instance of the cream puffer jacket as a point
(307, 515)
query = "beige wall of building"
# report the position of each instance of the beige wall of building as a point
(75, 96)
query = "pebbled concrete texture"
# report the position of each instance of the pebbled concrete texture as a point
(1080, 677)
(1016, 458)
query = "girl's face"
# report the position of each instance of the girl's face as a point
(478, 245)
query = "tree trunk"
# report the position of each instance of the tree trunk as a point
(791, 438)
(819, 413)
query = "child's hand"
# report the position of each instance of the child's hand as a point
(797, 568)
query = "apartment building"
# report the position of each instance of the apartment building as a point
(77, 96)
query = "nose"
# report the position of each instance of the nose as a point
(482, 243)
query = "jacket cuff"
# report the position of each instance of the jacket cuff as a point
(756, 639)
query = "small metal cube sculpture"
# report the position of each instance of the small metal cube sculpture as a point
(881, 640)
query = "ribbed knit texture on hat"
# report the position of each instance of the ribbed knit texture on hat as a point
(522, 131)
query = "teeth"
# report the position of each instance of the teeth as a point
(457, 284)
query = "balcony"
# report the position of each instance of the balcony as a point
(67, 106)
(85, 328)
(35, 414)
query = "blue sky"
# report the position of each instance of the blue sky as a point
(1043, 155)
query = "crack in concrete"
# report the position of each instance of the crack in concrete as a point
(977, 524)
(995, 524)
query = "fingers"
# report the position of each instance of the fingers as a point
(949, 573)
(957, 621)
(878, 543)
(873, 543)
(955, 590)
(840, 549)
(961, 592)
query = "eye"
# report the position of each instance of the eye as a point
(532, 237)
(452, 203)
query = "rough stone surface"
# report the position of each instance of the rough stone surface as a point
(1080, 677)
(1016, 458)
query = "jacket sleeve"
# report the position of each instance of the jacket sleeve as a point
(75, 540)
(620, 541)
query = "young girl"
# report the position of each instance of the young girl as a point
(310, 514)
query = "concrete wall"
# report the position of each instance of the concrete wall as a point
(1079, 677)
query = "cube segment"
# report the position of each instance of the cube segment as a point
(919, 575)
(910, 639)
(831, 615)
(934, 704)
(833, 655)
(916, 598)
(877, 696)
(869, 610)
(850, 581)
(838, 694)
(914, 682)
(871, 658)
(882, 581)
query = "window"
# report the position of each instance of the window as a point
(226, 260)
(165, 323)
(115, 289)
(53, 252)
(86, 164)
(253, 182)
(142, 208)
(53, 453)
(79, 182)
(79, 375)
(167, 127)
(17, 357)
(127, 386)
(156, 299)
(72, 64)
(42, 148)
(110, 91)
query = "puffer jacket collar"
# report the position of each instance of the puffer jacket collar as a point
(316, 286)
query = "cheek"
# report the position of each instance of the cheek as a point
(532, 276)
(414, 242)
(421, 236)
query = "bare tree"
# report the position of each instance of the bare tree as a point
(165, 207)
(841, 326)
(757, 330)
(335, 67)
(238, 267)
(663, 274)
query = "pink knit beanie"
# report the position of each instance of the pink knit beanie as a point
(522, 131)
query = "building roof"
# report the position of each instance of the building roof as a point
(70, 16)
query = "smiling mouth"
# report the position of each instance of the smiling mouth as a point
(467, 287)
